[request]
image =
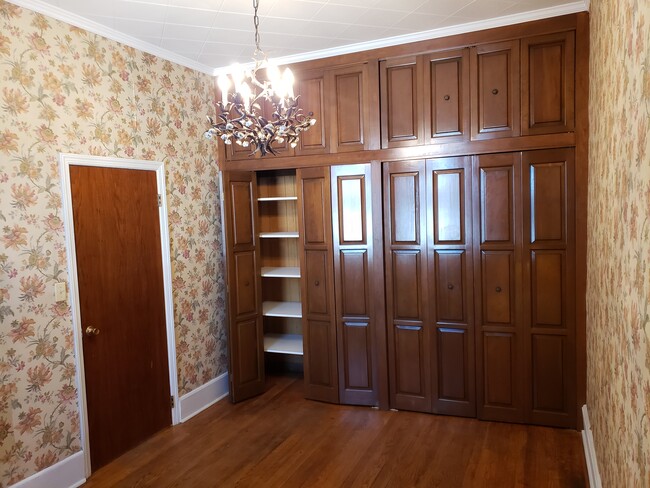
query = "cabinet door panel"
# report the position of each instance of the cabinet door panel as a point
(547, 83)
(498, 275)
(453, 360)
(450, 269)
(449, 206)
(446, 100)
(548, 207)
(358, 269)
(311, 88)
(410, 364)
(407, 278)
(548, 288)
(497, 200)
(317, 284)
(495, 90)
(548, 358)
(499, 353)
(401, 117)
(246, 342)
(405, 208)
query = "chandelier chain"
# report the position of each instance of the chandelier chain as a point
(256, 22)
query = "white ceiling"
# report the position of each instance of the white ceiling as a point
(211, 34)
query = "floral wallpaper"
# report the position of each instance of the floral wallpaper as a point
(63, 89)
(618, 288)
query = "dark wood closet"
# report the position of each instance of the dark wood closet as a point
(421, 248)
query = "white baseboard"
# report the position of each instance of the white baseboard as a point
(69, 473)
(202, 397)
(590, 451)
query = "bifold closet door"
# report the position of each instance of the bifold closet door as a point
(405, 247)
(317, 284)
(246, 333)
(359, 284)
(450, 278)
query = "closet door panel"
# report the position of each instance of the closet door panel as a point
(499, 289)
(548, 203)
(495, 90)
(317, 285)
(450, 300)
(358, 267)
(311, 89)
(246, 338)
(409, 337)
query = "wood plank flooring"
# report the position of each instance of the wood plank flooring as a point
(281, 439)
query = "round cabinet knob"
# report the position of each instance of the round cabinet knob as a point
(447, 98)
(498, 289)
(495, 91)
(450, 286)
(92, 331)
(316, 283)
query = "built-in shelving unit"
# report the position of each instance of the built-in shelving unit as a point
(278, 224)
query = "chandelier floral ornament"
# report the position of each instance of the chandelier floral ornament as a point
(240, 119)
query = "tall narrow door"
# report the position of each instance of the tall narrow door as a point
(119, 265)
(246, 332)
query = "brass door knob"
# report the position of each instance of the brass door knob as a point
(92, 331)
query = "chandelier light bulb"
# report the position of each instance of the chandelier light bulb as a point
(223, 82)
(273, 73)
(237, 74)
(245, 92)
(288, 79)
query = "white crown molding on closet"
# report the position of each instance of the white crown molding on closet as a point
(96, 28)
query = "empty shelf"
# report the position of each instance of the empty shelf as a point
(281, 272)
(278, 235)
(282, 309)
(276, 199)
(283, 343)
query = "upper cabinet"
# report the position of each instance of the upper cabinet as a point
(494, 75)
(353, 100)
(311, 89)
(547, 83)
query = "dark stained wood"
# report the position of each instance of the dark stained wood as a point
(358, 271)
(405, 244)
(264, 443)
(310, 86)
(446, 96)
(498, 288)
(401, 111)
(317, 285)
(494, 75)
(450, 265)
(119, 269)
(547, 83)
(245, 326)
(581, 205)
(549, 277)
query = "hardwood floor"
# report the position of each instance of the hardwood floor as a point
(281, 439)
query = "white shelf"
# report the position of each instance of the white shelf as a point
(281, 272)
(283, 343)
(279, 235)
(282, 309)
(276, 199)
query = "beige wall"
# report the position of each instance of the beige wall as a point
(618, 283)
(65, 90)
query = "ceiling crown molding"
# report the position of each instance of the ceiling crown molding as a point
(102, 30)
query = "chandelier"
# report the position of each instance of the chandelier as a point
(240, 118)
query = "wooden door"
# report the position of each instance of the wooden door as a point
(446, 96)
(498, 286)
(405, 244)
(317, 284)
(549, 277)
(547, 83)
(310, 86)
(449, 236)
(359, 283)
(354, 107)
(495, 90)
(122, 305)
(401, 107)
(246, 334)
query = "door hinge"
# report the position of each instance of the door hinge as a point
(173, 401)
(159, 200)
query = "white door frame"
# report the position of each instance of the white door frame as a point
(65, 161)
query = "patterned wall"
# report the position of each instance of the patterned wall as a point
(618, 290)
(63, 89)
